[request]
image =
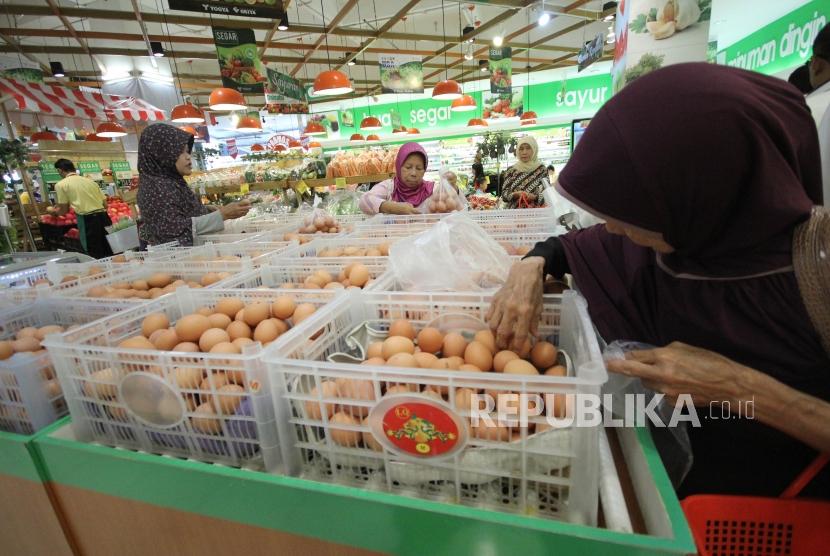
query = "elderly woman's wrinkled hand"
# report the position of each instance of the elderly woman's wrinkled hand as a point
(514, 313)
(391, 207)
(683, 369)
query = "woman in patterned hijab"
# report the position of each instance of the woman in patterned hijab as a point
(170, 211)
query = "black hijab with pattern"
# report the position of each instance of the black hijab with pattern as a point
(167, 203)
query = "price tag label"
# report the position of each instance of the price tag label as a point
(301, 187)
(340, 183)
(244, 188)
(47, 170)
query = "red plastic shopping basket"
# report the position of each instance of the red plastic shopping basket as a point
(755, 526)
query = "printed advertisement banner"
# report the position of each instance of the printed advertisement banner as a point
(649, 38)
(284, 89)
(239, 62)
(269, 9)
(785, 43)
(401, 73)
(20, 69)
(232, 150)
(501, 69)
(591, 52)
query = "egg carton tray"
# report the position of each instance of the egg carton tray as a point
(185, 270)
(30, 393)
(550, 473)
(290, 273)
(242, 237)
(256, 253)
(146, 399)
(494, 222)
(57, 271)
(314, 248)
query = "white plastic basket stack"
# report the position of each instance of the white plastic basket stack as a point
(262, 223)
(255, 253)
(550, 473)
(241, 237)
(30, 394)
(147, 400)
(335, 249)
(290, 273)
(58, 272)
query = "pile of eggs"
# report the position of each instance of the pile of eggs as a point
(27, 341)
(319, 224)
(443, 204)
(431, 349)
(354, 275)
(381, 250)
(153, 286)
(223, 329)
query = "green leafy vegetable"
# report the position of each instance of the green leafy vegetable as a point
(639, 24)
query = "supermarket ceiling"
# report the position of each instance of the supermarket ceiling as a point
(91, 36)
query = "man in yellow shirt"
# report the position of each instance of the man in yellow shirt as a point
(90, 206)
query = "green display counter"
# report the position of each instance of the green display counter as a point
(122, 502)
(29, 523)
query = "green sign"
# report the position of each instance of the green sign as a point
(284, 88)
(239, 61)
(47, 170)
(501, 73)
(121, 169)
(783, 44)
(90, 169)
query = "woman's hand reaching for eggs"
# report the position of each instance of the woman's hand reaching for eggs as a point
(516, 307)
(391, 207)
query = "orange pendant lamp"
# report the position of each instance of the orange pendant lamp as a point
(447, 90)
(43, 136)
(332, 82)
(186, 114)
(190, 129)
(477, 123)
(372, 137)
(110, 129)
(257, 148)
(295, 144)
(464, 104)
(94, 137)
(370, 123)
(314, 128)
(280, 148)
(356, 138)
(226, 99)
(528, 118)
(314, 145)
(413, 131)
(401, 129)
(249, 124)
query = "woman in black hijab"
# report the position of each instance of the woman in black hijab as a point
(170, 211)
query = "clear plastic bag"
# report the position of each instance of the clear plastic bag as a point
(444, 197)
(672, 443)
(343, 202)
(455, 254)
(320, 220)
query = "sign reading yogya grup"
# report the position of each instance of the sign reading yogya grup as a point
(269, 9)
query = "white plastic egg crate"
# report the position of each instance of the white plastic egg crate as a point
(494, 222)
(337, 249)
(241, 237)
(290, 273)
(547, 473)
(262, 223)
(253, 253)
(146, 399)
(57, 271)
(184, 270)
(30, 393)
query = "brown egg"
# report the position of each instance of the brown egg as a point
(159, 280)
(188, 377)
(396, 344)
(191, 327)
(93, 270)
(44, 331)
(374, 361)
(455, 362)
(266, 331)
(524, 353)
(211, 337)
(217, 380)
(187, 347)
(432, 393)
(25, 344)
(478, 355)
(520, 367)
(454, 345)
(282, 326)
(557, 370)
(358, 275)
(204, 311)
(425, 360)
(255, 313)
(97, 291)
(328, 389)
(227, 347)
(465, 398)
(283, 307)
(100, 385)
(430, 340)
(219, 320)
(209, 278)
(369, 439)
(543, 355)
(470, 368)
(68, 278)
(229, 398)
(140, 285)
(153, 322)
(240, 343)
(402, 327)
(356, 389)
(486, 337)
(334, 286)
(28, 332)
(402, 359)
(166, 340)
(204, 420)
(340, 435)
(302, 312)
(323, 277)
(238, 329)
(497, 432)
(137, 342)
(53, 388)
(501, 359)
(375, 349)
(121, 286)
(401, 389)
(6, 349)
(142, 294)
(229, 306)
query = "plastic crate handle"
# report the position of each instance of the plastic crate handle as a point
(806, 476)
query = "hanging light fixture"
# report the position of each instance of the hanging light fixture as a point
(45, 135)
(463, 104)
(257, 148)
(401, 129)
(190, 129)
(477, 123)
(186, 114)
(280, 148)
(57, 69)
(283, 26)
(330, 82)
(372, 137)
(95, 137)
(249, 124)
(314, 145)
(448, 89)
(356, 138)
(413, 131)
(370, 123)
(314, 128)
(110, 129)
(225, 99)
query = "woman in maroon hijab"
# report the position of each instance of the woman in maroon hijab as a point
(702, 173)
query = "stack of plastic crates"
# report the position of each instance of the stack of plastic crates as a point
(63, 272)
(292, 273)
(335, 249)
(30, 394)
(206, 406)
(552, 472)
(255, 253)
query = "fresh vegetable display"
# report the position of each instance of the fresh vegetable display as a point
(362, 163)
(503, 105)
(483, 202)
